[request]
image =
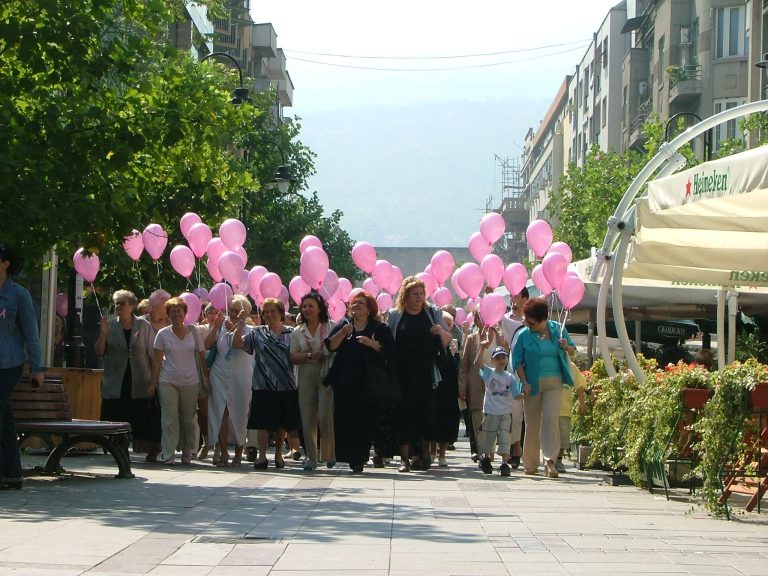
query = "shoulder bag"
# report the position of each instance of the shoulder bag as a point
(382, 388)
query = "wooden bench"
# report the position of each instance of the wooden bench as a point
(44, 412)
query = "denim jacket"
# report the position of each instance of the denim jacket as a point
(18, 328)
(526, 354)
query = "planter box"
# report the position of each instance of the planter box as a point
(758, 398)
(695, 398)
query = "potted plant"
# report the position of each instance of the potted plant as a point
(725, 420)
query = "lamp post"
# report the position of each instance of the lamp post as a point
(707, 134)
(239, 94)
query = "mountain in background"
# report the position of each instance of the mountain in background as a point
(417, 175)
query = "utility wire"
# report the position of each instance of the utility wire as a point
(470, 67)
(456, 56)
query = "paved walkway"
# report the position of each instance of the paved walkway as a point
(200, 520)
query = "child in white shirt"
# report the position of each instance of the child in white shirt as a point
(497, 411)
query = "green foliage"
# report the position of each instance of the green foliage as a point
(105, 128)
(723, 426)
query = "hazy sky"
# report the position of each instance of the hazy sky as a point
(346, 60)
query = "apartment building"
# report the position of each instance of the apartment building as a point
(594, 93)
(688, 58)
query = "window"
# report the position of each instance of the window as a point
(728, 129)
(604, 110)
(694, 38)
(660, 62)
(731, 32)
(605, 53)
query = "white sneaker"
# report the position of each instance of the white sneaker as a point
(442, 462)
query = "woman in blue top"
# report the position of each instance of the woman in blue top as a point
(18, 334)
(540, 359)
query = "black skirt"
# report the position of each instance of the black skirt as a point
(273, 410)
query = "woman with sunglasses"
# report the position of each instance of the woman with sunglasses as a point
(540, 359)
(126, 344)
(356, 342)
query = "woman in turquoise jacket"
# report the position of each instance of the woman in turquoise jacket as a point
(540, 360)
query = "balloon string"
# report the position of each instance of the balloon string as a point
(93, 289)
(566, 313)
(159, 279)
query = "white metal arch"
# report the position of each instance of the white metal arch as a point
(621, 226)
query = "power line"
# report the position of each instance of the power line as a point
(449, 57)
(470, 67)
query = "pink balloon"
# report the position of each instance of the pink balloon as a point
(492, 227)
(314, 266)
(186, 222)
(492, 308)
(232, 233)
(345, 287)
(336, 309)
(471, 279)
(155, 240)
(308, 241)
(230, 266)
(298, 289)
(220, 296)
(571, 292)
(479, 247)
(442, 296)
(330, 285)
(540, 281)
(471, 319)
(254, 279)
(430, 284)
(364, 256)
(515, 278)
(561, 248)
(455, 283)
(183, 260)
(198, 237)
(194, 306)
(539, 237)
(213, 270)
(397, 280)
(270, 285)
(283, 296)
(384, 301)
(201, 293)
(242, 285)
(554, 266)
(370, 286)
(443, 264)
(215, 249)
(382, 273)
(493, 270)
(461, 316)
(355, 291)
(86, 266)
(62, 304)
(243, 255)
(133, 245)
(471, 305)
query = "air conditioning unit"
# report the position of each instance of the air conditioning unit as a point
(685, 35)
(642, 87)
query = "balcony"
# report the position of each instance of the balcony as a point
(636, 136)
(263, 41)
(276, 66)
(685, 83)
(285, 90)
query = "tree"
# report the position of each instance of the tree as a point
(105, 127)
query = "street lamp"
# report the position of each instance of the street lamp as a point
(239, 94)
(707, 134)
(283, 179)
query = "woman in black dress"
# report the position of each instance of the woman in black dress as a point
(355, 342)
(419, 329)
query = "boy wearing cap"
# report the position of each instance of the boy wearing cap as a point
(497, 409)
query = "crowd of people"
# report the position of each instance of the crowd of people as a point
(244, 379)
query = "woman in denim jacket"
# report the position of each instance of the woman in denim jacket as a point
(18, 333)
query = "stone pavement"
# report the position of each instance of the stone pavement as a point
(199, 520)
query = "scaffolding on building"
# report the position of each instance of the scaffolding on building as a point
(514, 209)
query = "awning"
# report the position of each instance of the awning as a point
(659, 332)
(634, 23)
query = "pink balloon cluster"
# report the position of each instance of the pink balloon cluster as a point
(86, 266)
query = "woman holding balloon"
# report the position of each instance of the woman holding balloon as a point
(540, 359)
(419, 329)
(126, 344)
(310, 357)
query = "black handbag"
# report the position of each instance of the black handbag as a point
(382, 388)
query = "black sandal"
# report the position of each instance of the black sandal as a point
(261, 465)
